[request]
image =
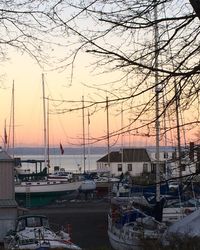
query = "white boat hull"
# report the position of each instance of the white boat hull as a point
(88, 185)
(122, 243)
(123, 238)
(33, 232)
(135, 234)
(54, 245)
(46, 186)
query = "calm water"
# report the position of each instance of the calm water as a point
(73, 163)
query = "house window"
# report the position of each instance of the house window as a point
(145, 168)
(183, 167)
(197, 167)
(119, 167)
(129, 167)
(153, 168)
(166, 155)
(173, 155)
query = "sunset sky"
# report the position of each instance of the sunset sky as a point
(88, 81)
(65, 128)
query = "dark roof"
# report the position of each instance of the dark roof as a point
(129, 155)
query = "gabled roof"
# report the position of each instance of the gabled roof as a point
(128, 155)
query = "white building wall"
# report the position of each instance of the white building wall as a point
(164, 155)
(189, 169)
(173, 165)
(102, 167)
(137, 168)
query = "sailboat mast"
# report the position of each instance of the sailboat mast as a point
(48, 159)
(178, 130)
(83, 119)
(5, 137)
(122, 135)
(13, 118)
(88, 140)
(157, 90)
(108, 135)
(45, 125)
(108, 148)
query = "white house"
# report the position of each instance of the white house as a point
(133, 160)
(169, 160)
(139, 160)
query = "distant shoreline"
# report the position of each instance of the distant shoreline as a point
(55, 151)
(71, 150)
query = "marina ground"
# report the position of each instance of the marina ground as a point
(87, 221)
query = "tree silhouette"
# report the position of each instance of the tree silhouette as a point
(32, 27)
(121, 37)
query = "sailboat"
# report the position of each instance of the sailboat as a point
(88, 184)
(33, 232)
(129, 229)
(35, 189)
(127, 235)
(38, 191)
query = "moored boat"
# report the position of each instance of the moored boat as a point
(129, 228)
(33, 232)
(87, 186)
(44, 192)
(184, 231)
(35, 189)
(60, 174)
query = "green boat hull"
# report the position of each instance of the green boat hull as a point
(32, 200)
